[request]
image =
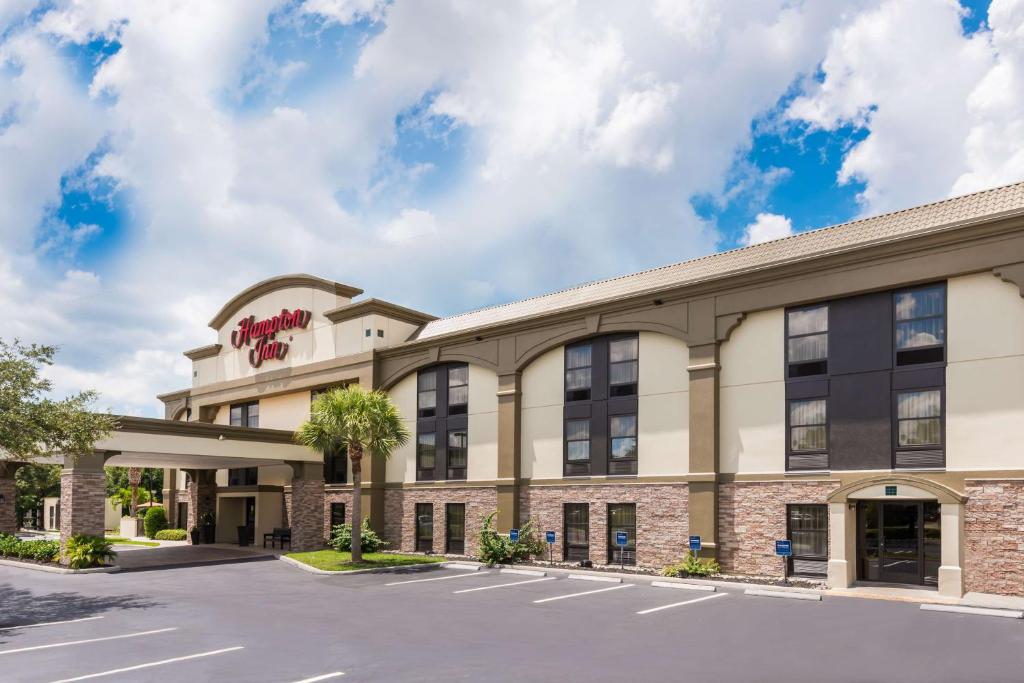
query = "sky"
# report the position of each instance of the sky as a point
(158, 157)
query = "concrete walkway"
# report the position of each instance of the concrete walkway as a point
(137, 558)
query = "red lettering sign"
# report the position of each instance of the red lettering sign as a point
(260, 334)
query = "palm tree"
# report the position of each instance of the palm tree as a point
(358, 420)
(134, 479)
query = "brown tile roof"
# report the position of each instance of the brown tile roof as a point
(935, 217)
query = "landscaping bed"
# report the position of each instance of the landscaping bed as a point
(338, 561)
(119, 540)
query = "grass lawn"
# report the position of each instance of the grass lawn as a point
(334, 561)
(127, 541)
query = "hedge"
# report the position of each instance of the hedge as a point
(41, 551)
(171, 535)
(156, 520)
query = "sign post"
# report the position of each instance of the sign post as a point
(695, 545)
(550, 536)
(513, 535)
(621, 539)
(784, 549)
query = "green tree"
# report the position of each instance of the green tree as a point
(360, 421)
(32, 425)
(33, 482)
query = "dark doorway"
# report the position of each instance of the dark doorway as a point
(455, 540)
(250, 517)
(899, 542)
(182, 515)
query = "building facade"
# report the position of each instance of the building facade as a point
(857, 389)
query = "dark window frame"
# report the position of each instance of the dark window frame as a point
(629, 557)
(334, 521)
(246, 413)
(896, 365)
(243, 476)
(599, 408)
(575, 552)
(424, 544)
(791, 561)
(335, 459)
(919, 448)
(789, 437)
(805, 363)
(454, 546)
(441, 423)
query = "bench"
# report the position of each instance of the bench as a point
(278, 535)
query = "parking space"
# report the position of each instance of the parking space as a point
(267, 622)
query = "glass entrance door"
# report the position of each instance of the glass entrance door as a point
(898, 542)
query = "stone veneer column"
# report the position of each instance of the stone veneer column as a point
(83, 488)
(171, 497)
(307, 509)
(202, 496)
(8, 515)
(951, 576)
(509, 420)
(703, 493)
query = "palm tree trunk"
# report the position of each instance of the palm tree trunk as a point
(134, 479)
(355, 455)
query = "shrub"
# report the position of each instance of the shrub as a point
(692, 566)
(83, 552)
(171, 535)
(498, 549)
(42, 551)
(9, 545)
(369, 541)
(156, 520)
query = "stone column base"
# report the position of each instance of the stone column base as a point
(951, 582)
(839, 575)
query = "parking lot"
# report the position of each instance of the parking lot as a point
(267, 621)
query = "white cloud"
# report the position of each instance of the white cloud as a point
(411, 224)
(766, 227)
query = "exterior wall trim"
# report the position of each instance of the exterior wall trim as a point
(275, 283)
(944, 494)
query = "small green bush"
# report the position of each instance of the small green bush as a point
(171, 535)
(499, 549)
(692, 566)
(41, 551)
(83, 552)
(156, 520)
(369, 541)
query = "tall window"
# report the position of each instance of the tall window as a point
(425, 527)
(577, 532)
(919, 416)
(577, 372)
(425, 456)
(455, 528)
(457, 453)
(335, 458)
(808, 435)
(921, 325)
(243, 476)
(622, 517)
(442, 442)
(337, 514)
(808, 531)
(807, 341)
(601, 386)
(245, 414)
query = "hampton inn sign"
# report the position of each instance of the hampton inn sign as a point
(260, 335)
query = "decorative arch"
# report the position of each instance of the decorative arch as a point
(943, 493)
(431, 357)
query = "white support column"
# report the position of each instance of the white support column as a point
(951, 576)
(842, 550)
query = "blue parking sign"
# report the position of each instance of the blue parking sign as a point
(621, 539)
(784, 548)
(695, 543)
(550, 536)
(513, 535)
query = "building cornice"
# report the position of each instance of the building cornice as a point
(280, 282)
(208, 351)
(148, 425)
(380, 307)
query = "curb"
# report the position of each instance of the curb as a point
(602, 579)
(523, 572)
(760, 592)
(462, 566)
(978, 611)
(372, 570)
(58, 570)
(685, 586)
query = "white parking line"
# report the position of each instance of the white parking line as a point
(505, 585)
(90, 640)
(49, 623)
(324, 677)
(685, 602)
(149, 664)
(576, 595)
(438, 578)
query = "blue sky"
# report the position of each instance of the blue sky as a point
(155, 159)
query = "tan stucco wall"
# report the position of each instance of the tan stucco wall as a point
(663, 406)
(542, 386)
(985, 374)
(401, 466)
(286, 411)
(752, 427)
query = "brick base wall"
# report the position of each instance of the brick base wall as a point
(8, 518)
(306, 517)
(752, 516)
(82, 497)
(400, 515)
(202, 498)
(661, 517)
(337, 497)
(994, 537)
